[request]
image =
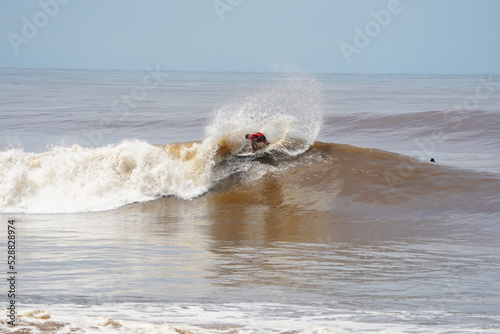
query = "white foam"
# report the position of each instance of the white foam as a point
(290, 107)
(78, 179)
(243, 318)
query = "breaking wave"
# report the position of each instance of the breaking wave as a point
(80, 179)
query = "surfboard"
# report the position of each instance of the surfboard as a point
(250, 154)
(246, 154)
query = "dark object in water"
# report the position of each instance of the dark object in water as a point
(432, 160)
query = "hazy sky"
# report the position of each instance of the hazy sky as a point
(363, 36)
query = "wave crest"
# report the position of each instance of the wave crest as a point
(79, 179)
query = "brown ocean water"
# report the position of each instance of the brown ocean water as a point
(133, 213)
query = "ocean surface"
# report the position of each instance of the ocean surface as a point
(133, 213)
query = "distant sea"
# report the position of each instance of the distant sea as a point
(133, 213)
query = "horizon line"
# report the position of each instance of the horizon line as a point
(243, 71)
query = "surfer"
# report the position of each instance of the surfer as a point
(256, 138)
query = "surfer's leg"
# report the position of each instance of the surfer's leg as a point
(254, 145)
